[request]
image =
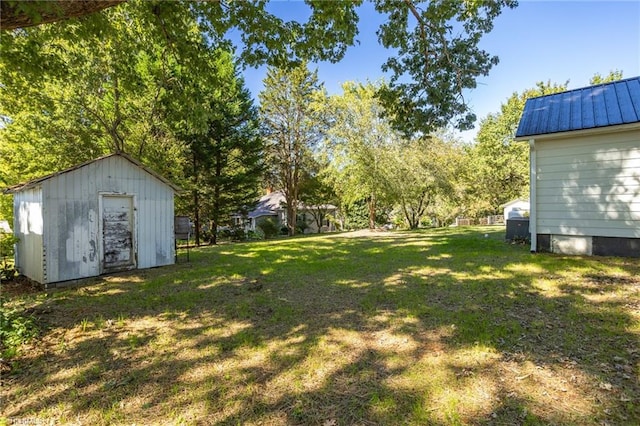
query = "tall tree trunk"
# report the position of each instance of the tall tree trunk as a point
(291, 198)
(196, 216)
(318, 216)
(216, 198)
(407, 216)
(292, 212)
(196, 201)
(372, 211)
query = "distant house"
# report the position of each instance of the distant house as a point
(585, 169)
(273, 205)
(106, 215)
(515, 209)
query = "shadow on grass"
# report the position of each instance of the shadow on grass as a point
(438, 327)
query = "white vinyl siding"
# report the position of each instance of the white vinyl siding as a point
(589, 185)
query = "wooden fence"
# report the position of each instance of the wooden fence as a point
(489, 220)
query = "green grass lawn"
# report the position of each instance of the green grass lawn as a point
(433, 327)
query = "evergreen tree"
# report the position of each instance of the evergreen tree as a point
(226, 160)
(292, 128)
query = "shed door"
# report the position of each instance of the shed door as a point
(117, 232)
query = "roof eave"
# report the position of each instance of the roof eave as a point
(582, 132)
(517, 200)
(20, 187)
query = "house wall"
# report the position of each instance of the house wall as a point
(71, 210)
(312, 225)
(586, 187)
(28, 226)
(281, 216)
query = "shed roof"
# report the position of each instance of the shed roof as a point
(603, 105)
(512, 202)
(29, 184)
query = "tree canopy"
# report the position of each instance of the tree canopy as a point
(130, 93)
(359, 138)
(613, 75)
(434, 44)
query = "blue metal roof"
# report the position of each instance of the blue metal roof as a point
(603, 105)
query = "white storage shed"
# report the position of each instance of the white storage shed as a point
(109, 214)
(516, 209)
(585, 169)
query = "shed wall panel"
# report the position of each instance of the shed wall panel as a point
(589, 185)
(146, 225)
(29, 228)
(72, 246)
(165, 255)
(143, 228)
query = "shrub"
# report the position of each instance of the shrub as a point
(224, 233)
(269, 227)
(301, 226)
(7, 242)
(258, 234)
(237, 233)
(15, 330)
(7, 269)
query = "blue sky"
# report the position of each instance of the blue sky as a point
(536, 41)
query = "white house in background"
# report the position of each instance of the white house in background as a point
(106, 215)
(585, 169)
(515, 209)
(273, 205)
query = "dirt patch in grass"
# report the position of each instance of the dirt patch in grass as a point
(437, 327)
(20, 285)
